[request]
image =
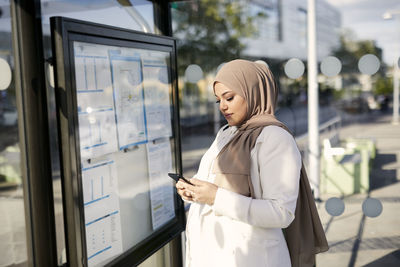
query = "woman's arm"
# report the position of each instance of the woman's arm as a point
(279, 164)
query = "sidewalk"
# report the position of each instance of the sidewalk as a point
(357, 240)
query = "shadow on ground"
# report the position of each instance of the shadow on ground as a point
(379, 177)
(389, 260)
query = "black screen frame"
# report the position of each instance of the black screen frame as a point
(65, 32)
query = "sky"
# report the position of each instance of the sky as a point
(365, 18)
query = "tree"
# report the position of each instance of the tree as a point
(211, 31)
(350, 51)
(383, 86)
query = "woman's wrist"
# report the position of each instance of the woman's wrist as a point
(213, 193)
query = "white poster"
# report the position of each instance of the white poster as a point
(96, 113)
(156, 89)
(161, 186)
(129, 100)
(102, 211)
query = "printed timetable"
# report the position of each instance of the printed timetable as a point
(123, 98)
(102, 212)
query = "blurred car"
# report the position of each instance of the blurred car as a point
(8, 116)
(354, 105)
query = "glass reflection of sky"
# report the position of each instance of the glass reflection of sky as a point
(104, 11)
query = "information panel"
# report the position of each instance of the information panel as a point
(123, 102)
(117, 100)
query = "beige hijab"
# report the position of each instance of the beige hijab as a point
(255, 83)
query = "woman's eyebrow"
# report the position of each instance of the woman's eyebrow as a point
(224, 93)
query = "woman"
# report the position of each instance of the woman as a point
(246, 189)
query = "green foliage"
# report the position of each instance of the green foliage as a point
(351, 50)
(210, 32)
(383, 86)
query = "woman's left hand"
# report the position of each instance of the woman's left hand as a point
(202, 191)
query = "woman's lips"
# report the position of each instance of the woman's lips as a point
(227, 116)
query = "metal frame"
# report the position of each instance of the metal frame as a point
(33, 132)
(64, 32)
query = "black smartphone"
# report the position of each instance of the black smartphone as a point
(177, 176)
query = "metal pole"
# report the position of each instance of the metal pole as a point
(313, 117)
(395, 93)
(395, 119)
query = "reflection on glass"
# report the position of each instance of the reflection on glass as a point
(355, 105)
(193, 73)
(369, 64)
(334, 206)
(134, 17)
(6, 74)
(294, 68)
(125, 135)
(13, 247)
(331, 66)
(210, 33)
(372, 207)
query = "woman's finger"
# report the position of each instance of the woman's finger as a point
(196, 181)
(189, 187)
(181, 185)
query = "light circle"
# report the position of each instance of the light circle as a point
(294, 68)
(372, 207)
(331, 66)
(5, 74)
(369, 64)
(334, 206)
(193, 73)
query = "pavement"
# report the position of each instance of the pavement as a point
(354, 238)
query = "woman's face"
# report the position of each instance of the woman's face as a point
(232, 105)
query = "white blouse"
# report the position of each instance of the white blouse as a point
(239, 230)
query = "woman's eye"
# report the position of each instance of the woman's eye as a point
(230, 98)
(218, 101)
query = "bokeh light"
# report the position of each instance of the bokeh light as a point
(369, 64)
(372, 207)
(294, 68)
(5, 77)
(334, 206)
(193, 73)
(331, 66)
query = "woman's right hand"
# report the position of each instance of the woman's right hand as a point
(183, 191)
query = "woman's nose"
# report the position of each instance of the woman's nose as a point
(222, 105)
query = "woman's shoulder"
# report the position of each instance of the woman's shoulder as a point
(274, 133)
(277, 139)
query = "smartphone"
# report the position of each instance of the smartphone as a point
(177, 176)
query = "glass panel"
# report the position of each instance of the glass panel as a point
(13, 247)
(139, 17)
(358, 44)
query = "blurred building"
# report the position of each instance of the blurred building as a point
(283, 32)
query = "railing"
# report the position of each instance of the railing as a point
(329, 129)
